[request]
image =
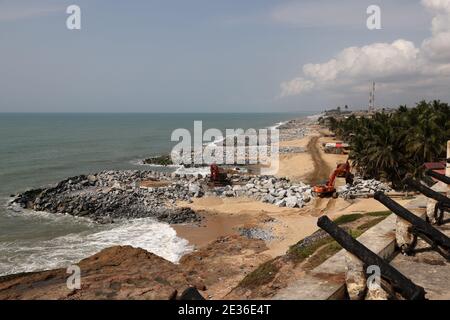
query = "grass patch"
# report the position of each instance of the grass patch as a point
(379, 214)
(329, 246)
(356, 216)
(356, 233)
(317, 251)
(348, 218)
(263, 274)
(323, 254)
(297, 253)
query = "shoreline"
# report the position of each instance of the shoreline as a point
(141, 162)
(218, 221)
(296, 123)
(236, 233)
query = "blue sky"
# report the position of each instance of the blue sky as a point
(211, 56)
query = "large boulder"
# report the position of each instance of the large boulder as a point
(194, 188)
(291, 202)
(281, 203)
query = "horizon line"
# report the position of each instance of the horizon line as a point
(196, 112)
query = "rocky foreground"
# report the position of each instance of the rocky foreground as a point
(232, 267)
(124, 272)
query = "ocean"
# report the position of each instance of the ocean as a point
(42, 149)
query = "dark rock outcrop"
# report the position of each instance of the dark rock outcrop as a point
(110, 195)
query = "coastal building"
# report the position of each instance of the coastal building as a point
(336, 147)
(438, 167)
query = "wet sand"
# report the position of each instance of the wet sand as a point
(213, 226)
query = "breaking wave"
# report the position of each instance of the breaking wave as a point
(26, 256)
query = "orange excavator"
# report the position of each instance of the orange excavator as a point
(218, 176)
(328, 189)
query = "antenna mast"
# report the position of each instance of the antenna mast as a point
(372, 98)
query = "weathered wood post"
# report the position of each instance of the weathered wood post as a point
(403, 236)
(431, 208)
(355, 277)
(401, 283)
(357, 284)
(420, 227)
(440, 203)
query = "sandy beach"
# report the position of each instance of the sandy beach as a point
(227, 216)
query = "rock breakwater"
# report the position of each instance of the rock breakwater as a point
(129, 194)
(361, 188)
(110, 195)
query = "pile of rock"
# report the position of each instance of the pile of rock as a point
(277, 191)
(163, 160)
(258, 233)
(362, 188)
(293, 129)
(293, 124)
(110, 195)
(130, 194)
(292, 134)
(292, 150)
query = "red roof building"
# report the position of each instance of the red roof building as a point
(438, 167)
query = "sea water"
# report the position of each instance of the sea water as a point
(42, 149)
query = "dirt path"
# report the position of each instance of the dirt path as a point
(321, 169)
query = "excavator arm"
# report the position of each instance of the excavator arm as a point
(332, 179)
(328, 189)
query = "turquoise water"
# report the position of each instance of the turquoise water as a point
(41, 149)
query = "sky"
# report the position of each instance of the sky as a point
(221, 55)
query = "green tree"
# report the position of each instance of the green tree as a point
(389, 145)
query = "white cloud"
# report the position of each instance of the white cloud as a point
(438, 5)
(296, 86)
(438, 46)
(390, 64)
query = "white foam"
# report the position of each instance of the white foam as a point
(158, 238)
(277, 125)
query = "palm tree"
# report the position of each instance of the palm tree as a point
(424, 143)
(389, 145)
